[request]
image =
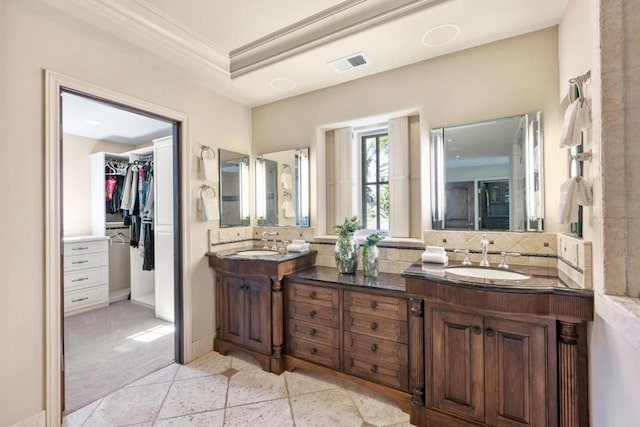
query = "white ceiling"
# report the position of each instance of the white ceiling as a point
(239, 47)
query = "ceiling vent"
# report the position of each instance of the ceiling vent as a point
(350, 62)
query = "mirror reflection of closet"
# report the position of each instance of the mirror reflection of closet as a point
(282, 188)
(234, 189)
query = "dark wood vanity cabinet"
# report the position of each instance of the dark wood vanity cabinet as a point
(490, 370)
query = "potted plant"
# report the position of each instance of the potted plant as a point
(346, 250)
(370, 256)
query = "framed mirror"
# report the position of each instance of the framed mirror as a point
(488, 175)
(282, 188)
(234, 189)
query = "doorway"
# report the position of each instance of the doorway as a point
(121, 253)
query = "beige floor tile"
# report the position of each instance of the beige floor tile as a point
(78, 418)
(129, 405)
(164, 375)
(203, 419)
(255, 386)
(195, 395)
(303, 382)
(210, 364)
(243, 362)
(274, 413)
(325, 408)
(376, 410)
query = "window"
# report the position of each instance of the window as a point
(375, 181)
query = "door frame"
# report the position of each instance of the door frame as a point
(54, 85)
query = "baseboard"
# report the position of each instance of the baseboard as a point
(118, 295)
(37, 420)
(202, 346)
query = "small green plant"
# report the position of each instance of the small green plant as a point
(372, 241)
(350, 225)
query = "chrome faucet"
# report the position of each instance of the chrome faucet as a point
(265, 240)
(273, 234)
(485, 247)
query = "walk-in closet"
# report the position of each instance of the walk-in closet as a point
(118, 247)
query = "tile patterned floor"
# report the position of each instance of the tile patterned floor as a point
(232, 390)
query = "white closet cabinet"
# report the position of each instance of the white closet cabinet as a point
(86, 273)
(163, 228)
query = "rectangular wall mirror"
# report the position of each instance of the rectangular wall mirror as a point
(488, 175)
(282, 188)
(234, 189)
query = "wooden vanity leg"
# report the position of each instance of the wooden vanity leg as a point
(572, 374)
(277, 325)
(416, 360)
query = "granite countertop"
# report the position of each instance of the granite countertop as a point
(536, 284)
(384, 281)
(277, 258)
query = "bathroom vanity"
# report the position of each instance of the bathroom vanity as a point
(449, 351)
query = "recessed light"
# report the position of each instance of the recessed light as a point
(441, 35)
(93, 122)
(282, 83)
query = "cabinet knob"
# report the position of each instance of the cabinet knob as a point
(373, 305)
(374, 347)
(313, 351)
(312, 332)
(490, 332)
(477, 330)
(312, 313)
(312, 294)
(374, 368)
(374, 326)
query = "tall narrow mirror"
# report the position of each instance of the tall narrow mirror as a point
(282, 188)
(488, 175)
(234, 189)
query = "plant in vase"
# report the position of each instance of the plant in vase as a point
(370, 256)
(346, 250)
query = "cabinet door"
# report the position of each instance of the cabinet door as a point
(457, 365)
(515, 373)
(258, 315)
(233, 307)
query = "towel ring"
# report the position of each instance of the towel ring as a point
(206, 149)
(204, 189)
(286, 167)
(579, 81)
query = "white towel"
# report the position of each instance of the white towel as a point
(572, 126)
(298, 248)
(585, 113)
(287, 180)
(209, 206)
(289, 210)
(435, 258)
(209, 169)
(437, 250)
(298, 242)
(574, 192)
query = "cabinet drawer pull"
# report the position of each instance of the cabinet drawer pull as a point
(477, 330)
(313, 351)
(374, 326)
(373, 305)
(313, 332)
(79, 262)
(80, 279)
(374, 368)
(312, 314)
(312, 294)
(490, 332)
(80, 248)
(374, 347)
(79, 299)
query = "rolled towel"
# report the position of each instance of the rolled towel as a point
(435, 250)
(435, 258)
(298, 242)
(298, 248)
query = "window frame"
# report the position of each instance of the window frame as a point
(377, 134)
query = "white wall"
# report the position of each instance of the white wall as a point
(505, 78)
(29, 43)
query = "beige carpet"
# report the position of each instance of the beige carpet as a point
(108, 348)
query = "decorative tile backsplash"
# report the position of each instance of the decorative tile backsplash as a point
(575, 261)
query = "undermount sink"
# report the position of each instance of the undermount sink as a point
(485, 274)
(257, 252)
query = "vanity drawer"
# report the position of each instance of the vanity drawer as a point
(314, 352)
(372, 369)
(79, 262)
(376, 305)
(316, 295)
(315, 333)
(84, 278)
(382, 351)
(90, 247)
(316, 314)
(86, 298)
(388, 329)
